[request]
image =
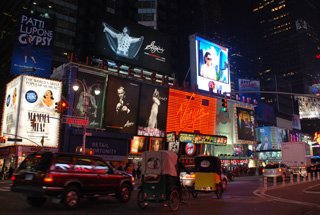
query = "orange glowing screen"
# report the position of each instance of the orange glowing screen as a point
(189, 112)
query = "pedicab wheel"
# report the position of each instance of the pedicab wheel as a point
(174, 200)
(185, 195)
(194, 194)
(141, 202)
(219, 191)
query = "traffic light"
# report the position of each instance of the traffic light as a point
(33, 121)
(225, 105)
(63, 106)
(3, 139)
(58, 107)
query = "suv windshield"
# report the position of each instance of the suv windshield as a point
(37, 161)
(272, 166)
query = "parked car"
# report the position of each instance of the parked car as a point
(65, 178)
(188, 179)
(314, 168)
(277, 170)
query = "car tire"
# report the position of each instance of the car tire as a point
(36, 201)
(124, 193)
(70, 199)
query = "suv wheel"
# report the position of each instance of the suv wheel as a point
(124, 193)
(36, 201)
(71, 198)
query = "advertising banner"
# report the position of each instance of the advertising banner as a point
(245, 124)
(153, 111)
(189, 112)
(138, 145)
(32, 53)
(128, 42)
(308, 107)
(121, 105)
(209, 65)
(35, 100)
(90, 83)
(156, 144)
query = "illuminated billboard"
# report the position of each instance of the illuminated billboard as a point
(308, 107)
(190, 112)
(33, 46)
(30, 98)
(121, 105)
(209, 65)
(153, 110)
(245, 125)
(128, 42)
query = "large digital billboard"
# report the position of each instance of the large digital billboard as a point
(128, 42)
(30, 98)
(153, 110)
(121, 105)
(209, 65)
(33, 46)
(190, 112)
(308, 107)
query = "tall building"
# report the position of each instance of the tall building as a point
(288, 42)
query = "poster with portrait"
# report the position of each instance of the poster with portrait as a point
(245, 124)
(153, 110)
(138, 145)
(121, 105)
(173, 146)
(155, 144)
(90, 83)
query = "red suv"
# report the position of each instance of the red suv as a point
(65, 178)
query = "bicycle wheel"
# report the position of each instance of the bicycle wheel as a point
(185, 194)
(174, 200)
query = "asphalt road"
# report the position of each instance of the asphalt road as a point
(243, 196)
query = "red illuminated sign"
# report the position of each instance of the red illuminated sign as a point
(188, 112)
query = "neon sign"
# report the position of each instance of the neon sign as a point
(190, 148)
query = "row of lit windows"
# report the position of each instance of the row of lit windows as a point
(281, 26)
(262, 6)
(278, 8)
(279, 17)
(282, 30)
(288, 74)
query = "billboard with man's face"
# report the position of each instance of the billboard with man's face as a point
(121, 105)
(128, 42)
(30, 98)
(33, 46)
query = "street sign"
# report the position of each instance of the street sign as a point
(74, 121)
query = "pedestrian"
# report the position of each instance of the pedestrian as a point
(138, 172)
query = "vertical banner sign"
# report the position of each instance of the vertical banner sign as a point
(153, 111)
(32, 51)
(245, 124)
(122, 106)
(90, 82)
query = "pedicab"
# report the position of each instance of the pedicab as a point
(160, 181)
(207, 176)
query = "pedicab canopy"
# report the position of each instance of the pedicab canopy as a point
(208, 164)
(160, 162)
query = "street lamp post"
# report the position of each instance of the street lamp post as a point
(85, 103)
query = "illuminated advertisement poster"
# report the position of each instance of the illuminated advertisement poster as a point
(35, 100)
(88, 83)
(245, 124)
(121, 105)
(224, 126)
(189, 112)
(156, 144)
(308, 107)
(129, 42)
(153, 111)
(209, 65)
(138, 145)
(33, 46)
(265, 139)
